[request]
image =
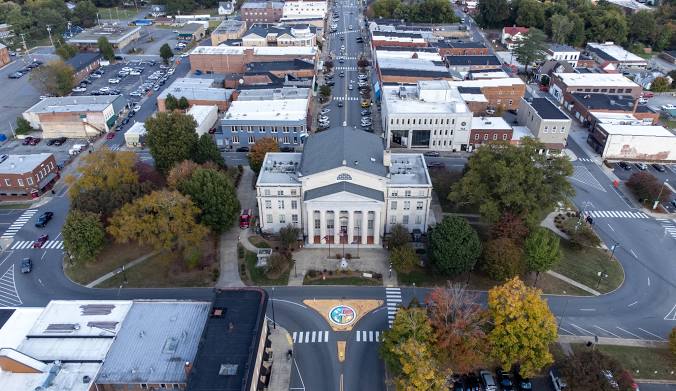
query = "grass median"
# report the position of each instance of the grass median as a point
(641, 362)
(583, 265)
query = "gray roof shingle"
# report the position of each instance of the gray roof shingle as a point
(344, 186)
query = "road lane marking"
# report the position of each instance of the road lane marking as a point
(648, 281)
(604, 330)
(9, 296)
(654, 335)
(583, 330)
(290, 302)
(634, 303)
(587, 309)
(628, 332)
(633, 253)
(611, 227)
(671, 315)
(567, 331)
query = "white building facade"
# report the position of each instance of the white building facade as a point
(304, 9)
(429, 115)
(563, 53)
(344, 188)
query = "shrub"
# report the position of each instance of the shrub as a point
(502, 259)
(672, 341)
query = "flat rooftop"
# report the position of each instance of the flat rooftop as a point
(407, 100)
(266, 110)
(637, 130)
(412, 64)
(73, 104)
(274, 94)
(411, 53)
(604, 102)
(546, 109)
(481, 83)
(258, 50)
(155, 342)
(473, 60)
(229, 26)
(595, 79)
(611, 52)
(409, 169)
(114, 33)
(280, 168)
(489, 123)
(20, 164)
(605, 117)
(196, 89)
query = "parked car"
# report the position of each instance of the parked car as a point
(26, 265)
(35, 141)
(558, 382)
(432, 154)
(325, 110)
(487, 380)
(659, 167)
(79, 89)
(624, 165)
(668, 107)
(242, 149)
(3, 157)
(15, 75)
(110, 135)
(43, 219)
(104, 89)
(114, 81)
(647, 94)
(504, 379)
(641, 166)
(60, 141)
(137, 108)
(42, 239)
(435, 164)
(365, 112)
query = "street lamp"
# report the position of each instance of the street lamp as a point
(657, 201)
(272, 303)
(326, 238)
(601, 275)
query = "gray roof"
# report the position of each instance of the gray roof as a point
(344, 186)
(74, 104)
(154, 342)
(343, 146)
(21, 164)
(546, 109)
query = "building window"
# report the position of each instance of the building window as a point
(294, 204)
(294, 219)
(504, 136)
(280, 192)
(235, 139)
(485, 136)
(476, 136)
(495, 136)
(252, 140)
(282, 219)
(407, 193)
(369, 224)
(267, 192)
(563, 129)
(419, 205)
(318, 224)
(404, 220)
(20, 182)
(268, 204)
(29, 180)
(344, 177)
(393, 219)
(293, 192)
(407, 205)
(418, 219)
(546, 129)
(268, 218)
(8, 182)
(395, 193)
(280, 204)
(144, 386)
(553, 129)
(393, 205)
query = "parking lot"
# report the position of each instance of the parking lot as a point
(15, 147)
(669, 175)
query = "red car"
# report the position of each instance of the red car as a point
(647, 94)
(41, 241)
(110, 136)
(27, 140)
(35, 140)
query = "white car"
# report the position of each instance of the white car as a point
(135, 93)
(127, 69)
(668, 107)
(95, 75)
(171, 71)
(325, 110)
(113, 81)
(135, 73)
(79, 89)
(137, 108)
(104, 89)
(350, 27)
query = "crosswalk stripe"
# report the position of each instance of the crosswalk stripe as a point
(307, 337)
(393, 289)
(393, 299)
(293, 336)
(358, 336)
(314, 336)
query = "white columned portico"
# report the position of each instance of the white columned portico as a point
(350, 226)
(322, 225)
(376, 227)
(364, 226)
(336, 225)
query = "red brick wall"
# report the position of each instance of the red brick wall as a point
(378, 43)
(4, 57)
(463, 52)
(482, 133)
(46, 167)
(501, 96)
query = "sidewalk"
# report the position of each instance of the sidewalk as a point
(280, 377)
(613, 341)
(127, 266)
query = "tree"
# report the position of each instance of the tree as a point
(84, 13)
(523, 327)
(517, 179)
(647, 188)
(459, 323)
(409, 323)
(493, 13)
(419, 371)
(404, 259)
(562, 27)
(325, 91)
(643, 27)
(258, 151)
(183, 103)
(530, 13)
(170, 103)
(165, 220)
(55, 78)
(66, 51)
(106, 201)
(83, 235)
(585, 371)
(510, 226)
(147, 174)
(105, 170)
(531, 49)
(288, 236)
(607, 24)
(542, 250)
(23, 126)
(213, 193)
(454, 246)
(180, 172)
(399, 236)
(207, 151)
(171, 138)
(166, 53)
(672, 341)
(502, 259)
(106, 48)
(660, 84)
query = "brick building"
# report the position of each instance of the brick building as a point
(4, 55)
(461, 48)
(84, 64)
(562, 84)
(582, 106)
(226, 59)
(472, 63)
(198, 92)
(27, 176)
(505, 92)
(489, 129)
(261, 12)
(228, 29)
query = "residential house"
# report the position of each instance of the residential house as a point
(226, 8)
(512, 35)
(558, 52)
(157, 10)
(84, 64)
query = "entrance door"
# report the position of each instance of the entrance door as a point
(343, 234)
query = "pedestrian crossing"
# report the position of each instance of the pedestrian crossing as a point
(367, 336)
(346, 68)
(50, 244)
(20, 222)
(345, 98)
(9, 297)
(393, 302)
(669, 227)
(114, 147)
(321, 336)
(618, 214)
(585, 159)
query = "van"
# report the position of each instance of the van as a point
(558, 383)
(75, 149)
(488, 381)
(245, 218)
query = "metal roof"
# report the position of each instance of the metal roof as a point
(21, 164)
(344, 186)
(74, 104)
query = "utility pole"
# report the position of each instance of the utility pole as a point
(657, 201)
(23, 40)
(49, 31)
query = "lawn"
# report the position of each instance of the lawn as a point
(117, 13)
(643, 363)
(256, 275)
(111, 258)
(584, 264)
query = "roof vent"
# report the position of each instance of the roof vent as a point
(344, 163)
(228, 370)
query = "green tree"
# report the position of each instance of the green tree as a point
(207, 151)
(170, 103)
(399, 236)
(419, 370)
(502, 259)
(578, 34)
(493, 13)
(530, 13)
(523, 327)
(409, 323)
(259, 150)
(165, 220)
(66, 51)
(83, 235)
(404, 259)
(517, 179)
(607, 24)
(660, 84)
(288, 236)
(166, 53)
(562, 27)
(171, 138)
(106, 48)
(325, 91)
(531, 49)
(542, 250)
(643, 27)
(585, 371)
(84, 14)
(454, 246)
(213, 193)
(183, 103)
(55, 78)
(23, 126)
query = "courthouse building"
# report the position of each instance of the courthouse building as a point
(345, 187)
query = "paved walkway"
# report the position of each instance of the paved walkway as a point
(613, 341)
(280, 377)
(573, 283)
(115, 272)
